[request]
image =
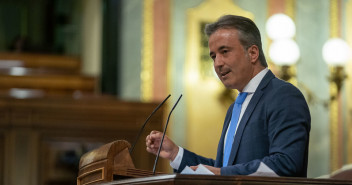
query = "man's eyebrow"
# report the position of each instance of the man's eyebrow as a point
(220, 48)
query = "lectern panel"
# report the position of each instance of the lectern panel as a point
(178, 179)
(2, 157)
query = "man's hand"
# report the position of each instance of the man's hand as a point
(216, 171)
(168, 150)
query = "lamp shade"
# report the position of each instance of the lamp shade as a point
(284, 52)
(336, 52)
(280, 26)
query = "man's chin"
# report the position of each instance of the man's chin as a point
(228, 86)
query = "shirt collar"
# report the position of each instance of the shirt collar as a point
(255, 81)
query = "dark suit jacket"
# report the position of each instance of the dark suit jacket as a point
(274, 130)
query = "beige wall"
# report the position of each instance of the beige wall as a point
(91, 36)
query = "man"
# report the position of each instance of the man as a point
(265, 134)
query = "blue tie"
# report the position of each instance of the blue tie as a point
(232, 128)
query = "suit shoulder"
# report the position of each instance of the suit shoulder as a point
(281, 85)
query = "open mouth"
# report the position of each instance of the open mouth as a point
(223, 74)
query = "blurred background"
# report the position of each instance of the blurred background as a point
(81, 73)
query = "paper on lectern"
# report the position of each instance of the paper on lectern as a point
(201, 170)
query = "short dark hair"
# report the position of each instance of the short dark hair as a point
(248, 32)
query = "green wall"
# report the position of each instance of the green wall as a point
(312, 73)
(130, 49)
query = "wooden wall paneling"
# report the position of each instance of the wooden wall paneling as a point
(21, 156)
(59, 159)
(2, 156)
(43, 131)
(32, 60)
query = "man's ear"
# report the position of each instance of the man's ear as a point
(253, 53)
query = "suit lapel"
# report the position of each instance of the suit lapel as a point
(252, 104)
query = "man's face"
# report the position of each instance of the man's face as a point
(231, 61)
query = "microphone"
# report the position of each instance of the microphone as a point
(141, 130)
(162, 139)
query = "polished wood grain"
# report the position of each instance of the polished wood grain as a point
(34, 60)
(178, 179)
(51, 74)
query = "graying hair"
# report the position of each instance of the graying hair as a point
(248, 32)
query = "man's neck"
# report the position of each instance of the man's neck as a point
(255, 79)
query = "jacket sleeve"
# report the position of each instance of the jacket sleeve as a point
(192, 159)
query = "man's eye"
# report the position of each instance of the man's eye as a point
(224, 51)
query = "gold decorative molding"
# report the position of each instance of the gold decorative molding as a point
(334, 18)
(334, 126)
(336, 151)
(348, 68)
(147, 52)
(290, 8)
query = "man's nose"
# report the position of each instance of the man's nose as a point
(218, 62)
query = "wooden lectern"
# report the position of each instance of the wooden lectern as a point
(110, 162)
(179, 179)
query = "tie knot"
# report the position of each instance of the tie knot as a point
(241, 97)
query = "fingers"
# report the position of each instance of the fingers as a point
(154, 136)
(153, 141)
(150, 143)
(151, 150)
(213, 169)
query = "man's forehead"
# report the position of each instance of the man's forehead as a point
(223, 34)
(225, 30)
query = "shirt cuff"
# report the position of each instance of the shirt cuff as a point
(175, 164)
